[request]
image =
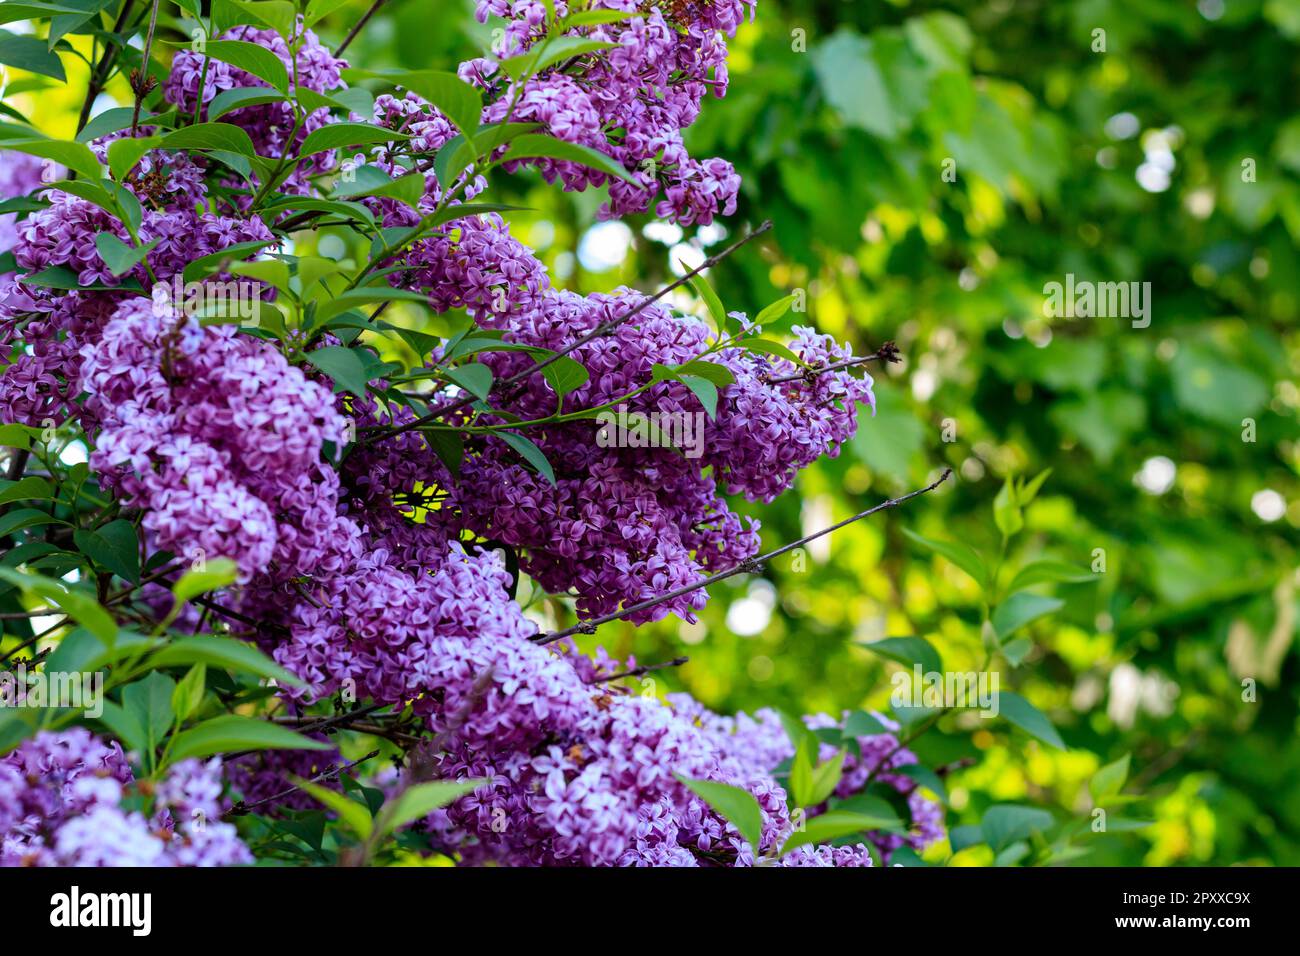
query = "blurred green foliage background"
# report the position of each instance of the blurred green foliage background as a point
(1165, 149)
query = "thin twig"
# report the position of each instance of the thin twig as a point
(883, 763)
(605, 328)
(638, 671)
(886, 353)
(100, 73)
(749, 565)
(142, 85)
(241, 808)
(358, 26)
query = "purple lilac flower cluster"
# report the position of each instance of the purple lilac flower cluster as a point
(379, 578)
(648, 86)
(61, 804)
(216, 437)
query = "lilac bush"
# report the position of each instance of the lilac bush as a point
(365, 523)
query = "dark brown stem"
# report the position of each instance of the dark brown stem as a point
(749, 565)
(241, 808)
(638, 671)
(142, 85)
(100, 73)
(358, 26)
(886, 353)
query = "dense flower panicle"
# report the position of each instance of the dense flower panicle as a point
(64, 235)
(648, 87)
(621, 524)
(168, 179)
(769, 432)
(61, 805)
(216, 436)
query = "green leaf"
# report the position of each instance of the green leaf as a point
(1006, 824)
(353, 815)
(769, 347)
(408, 189)
(218, 573)
(590, 18)
(475, 378)
(279, 15)
(859, 723)
(341, 135)
(421, 799)
(1109, 780)
(31, 488)
(531, 454)
(775, 310)
(1027, 492)
(114, 546)
(117, 255)
(1006, 510)
(826, 778)
(228, 101)
(319, 9)
(704, 289)
(959, 554)
(274, 272)
(1020, 609)
(225, 652)
(188, 695)
(1045, 572)
(536, 146)
(925, 777)
(869, 805)
(704, 390)
(77, 604)
(219, 136)
(75, 156)
(459, 101)
(149, 701)
(565, 375)
(801, 770)
(123, 154)
(109, 121)
(30, 54)
(907, 650)
(963, 837)
(833, 825)
(215, 262)
(549, 53)
(125, 726)
(735, 804)
(343, 365)
(231, 732)
(15, 436)
(1029, 718)
(716, 373)
(251, 58)
(1016, 651)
